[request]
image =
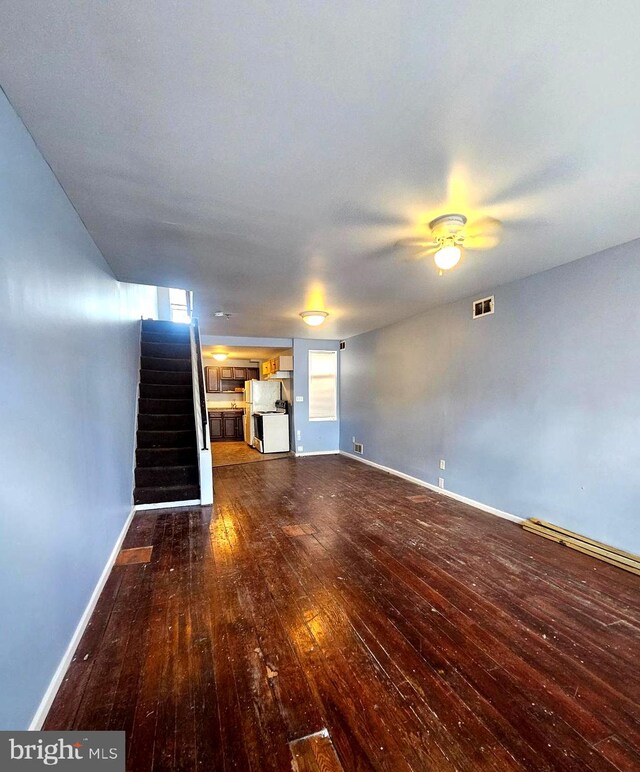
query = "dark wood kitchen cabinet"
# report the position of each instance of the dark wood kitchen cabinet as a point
(212, 378)
(238, 373)
(226, 425)
(215, 426)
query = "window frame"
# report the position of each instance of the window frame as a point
(334, 375)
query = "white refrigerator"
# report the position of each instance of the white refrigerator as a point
(260, 397)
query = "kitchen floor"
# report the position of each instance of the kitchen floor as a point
(228, 453)
(327, 615)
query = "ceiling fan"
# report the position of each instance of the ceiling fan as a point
(450, 234)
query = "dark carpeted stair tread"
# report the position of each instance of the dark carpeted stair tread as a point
(162, 476)
(165, 363)
(162, 406)
(165, 337)
(155, 495)
(169, 438)
(161, 325)
(166, 457)
(158, 422)
(166, 350)
(158, 377)
(166, 390)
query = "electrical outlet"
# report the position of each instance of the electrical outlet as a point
(440, 482)
(353, 439)
(299, 399)
(443, 464)
(300, 448)
(298, 435)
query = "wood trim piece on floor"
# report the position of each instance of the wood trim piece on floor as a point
(443, 491)
(167, 505)
(319, 453)
(58, 677)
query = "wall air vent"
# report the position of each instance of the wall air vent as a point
(358, 447)
(343, 345)
(483, 307)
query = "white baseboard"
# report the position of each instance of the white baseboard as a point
(318, 453)
(167, 505)
(58, 676)
(435, 489)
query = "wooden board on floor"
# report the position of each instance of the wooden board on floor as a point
(588, 547)
(314, 753)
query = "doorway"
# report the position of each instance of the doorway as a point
(249, 395)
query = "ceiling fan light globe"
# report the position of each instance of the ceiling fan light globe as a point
(220, 357)
(447, 257)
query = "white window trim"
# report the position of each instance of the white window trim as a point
(321, 351)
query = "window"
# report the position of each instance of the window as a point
(323, 385)
(179, 306)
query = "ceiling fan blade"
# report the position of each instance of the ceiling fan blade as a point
(554, 173)
(386, 250)
(525, 223)
(351, 215)
(484, 233)
(417, 241)
(485, 226)
(480, 242)
(422, 253)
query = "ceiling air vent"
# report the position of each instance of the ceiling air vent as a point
(343, 345)
(358, 447)
(483, 307)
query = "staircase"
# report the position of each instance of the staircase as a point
(166, 450)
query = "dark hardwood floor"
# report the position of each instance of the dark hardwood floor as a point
(321, 594)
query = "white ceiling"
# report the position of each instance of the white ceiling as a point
(262, 154)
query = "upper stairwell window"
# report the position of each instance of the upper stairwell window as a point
(180, 306)
(323, 385)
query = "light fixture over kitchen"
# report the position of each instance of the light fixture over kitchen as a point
(219, 357)
(314, 318)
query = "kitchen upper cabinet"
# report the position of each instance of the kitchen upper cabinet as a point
(212, 378)
(277, 364)
(238, 373)
(284, 363)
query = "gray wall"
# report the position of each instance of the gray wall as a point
(536, 409)
(315, 436)
(69, 355)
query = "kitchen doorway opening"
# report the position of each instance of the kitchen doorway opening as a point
(249, 403)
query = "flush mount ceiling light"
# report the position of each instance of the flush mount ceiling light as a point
(314, 318)
(220, 357)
